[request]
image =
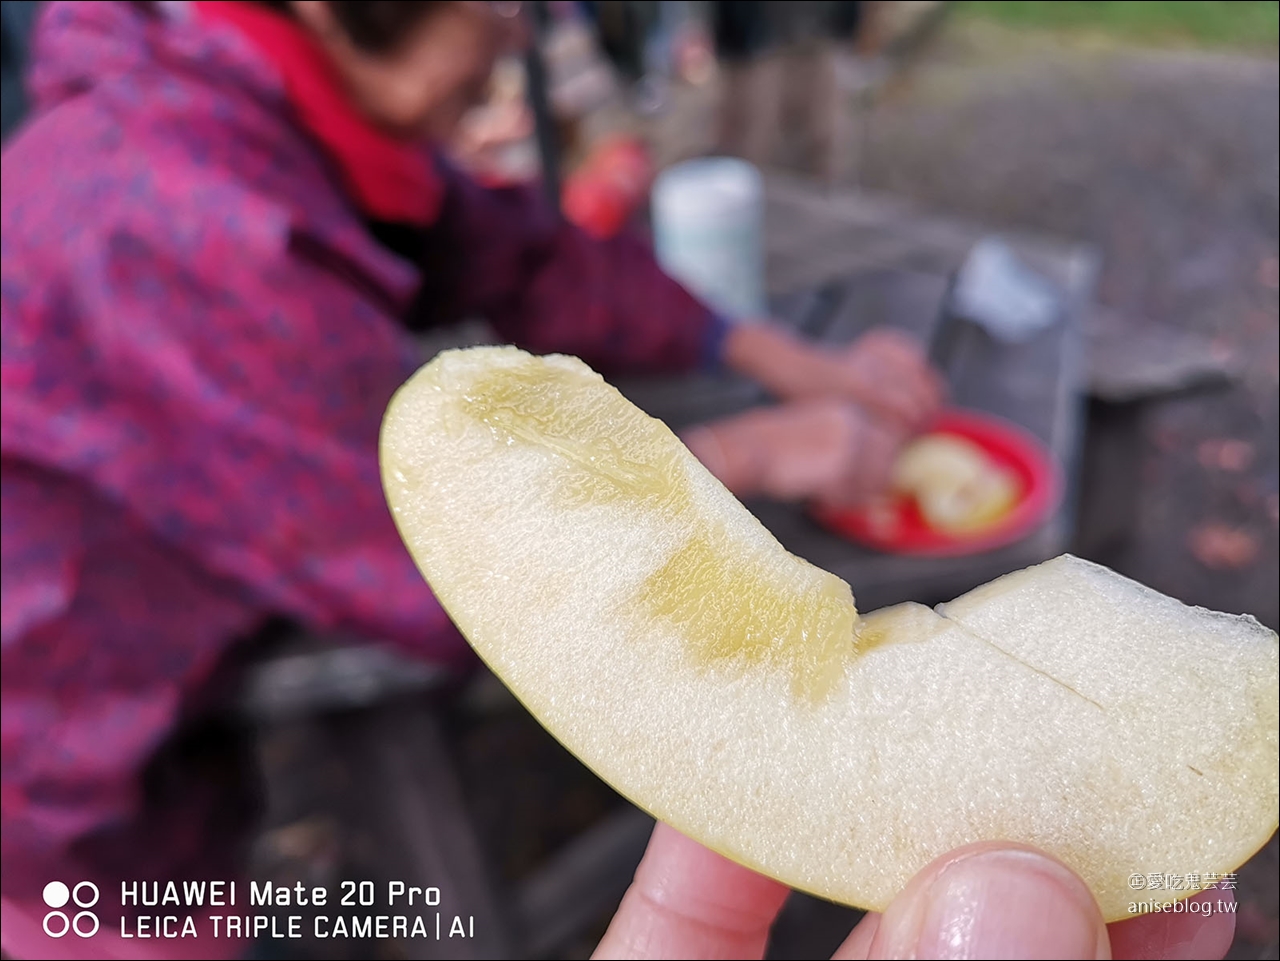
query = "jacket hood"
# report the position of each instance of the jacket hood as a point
(80, 45)
(76, 45)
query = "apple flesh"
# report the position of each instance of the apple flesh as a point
(732, 690)
(956, 486)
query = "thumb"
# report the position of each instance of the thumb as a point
(991, 900)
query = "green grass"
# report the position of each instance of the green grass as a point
(1250, 24)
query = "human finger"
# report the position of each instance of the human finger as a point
(689, 902)
(992, 900)
(1202, 927)
(904, 358)
(857, 945)
(909, 394)
(920, 390)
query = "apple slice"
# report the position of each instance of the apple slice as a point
(957, 487)
(731, 689)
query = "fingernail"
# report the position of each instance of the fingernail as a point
(1002, 904)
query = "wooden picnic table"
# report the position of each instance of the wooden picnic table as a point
(840, 262)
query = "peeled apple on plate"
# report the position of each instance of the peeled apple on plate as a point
(956, 485)
(731, 689)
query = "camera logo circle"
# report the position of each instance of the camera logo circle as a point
(84, 895)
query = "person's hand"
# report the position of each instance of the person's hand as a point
(983, 901)
(884, 371)
(827, 450)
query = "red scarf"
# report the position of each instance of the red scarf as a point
(388, 178)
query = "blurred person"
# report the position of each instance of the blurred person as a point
(986, 900)
(789, 82)
(222, 228)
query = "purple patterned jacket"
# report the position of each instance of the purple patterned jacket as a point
(200, 334)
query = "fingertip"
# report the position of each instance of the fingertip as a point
(857, 946)
(687, 901)
(677, 868)
(993, 900)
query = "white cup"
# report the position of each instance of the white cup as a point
(707, 223)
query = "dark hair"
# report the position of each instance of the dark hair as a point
(375, 26)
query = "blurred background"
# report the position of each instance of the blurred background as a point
(1127, 151)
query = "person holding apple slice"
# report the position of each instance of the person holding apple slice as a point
(987, 900)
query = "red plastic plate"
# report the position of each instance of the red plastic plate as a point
(897, 527)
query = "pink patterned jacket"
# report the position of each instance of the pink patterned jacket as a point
(200, 334)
